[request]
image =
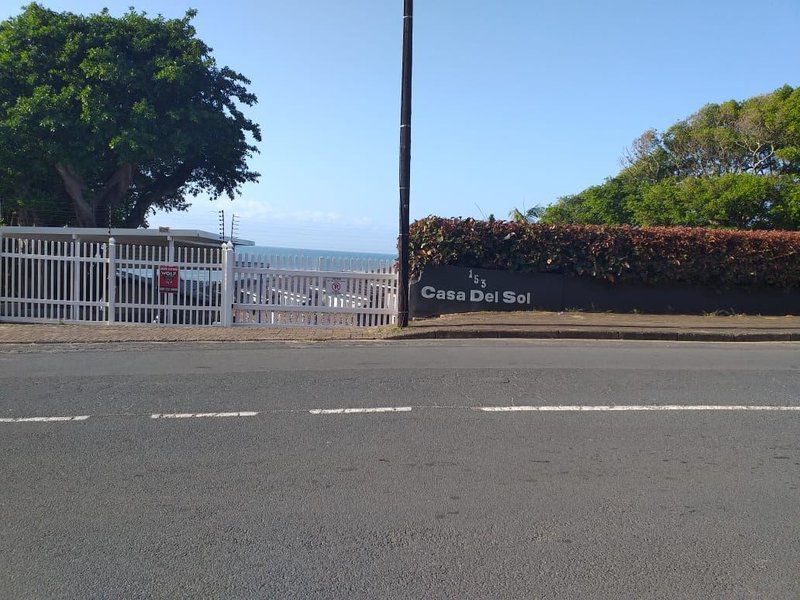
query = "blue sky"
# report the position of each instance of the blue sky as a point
(516, 102)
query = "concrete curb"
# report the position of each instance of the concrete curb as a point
(602, 334)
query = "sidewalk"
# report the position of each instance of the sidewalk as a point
(534, 325)
(99, 333)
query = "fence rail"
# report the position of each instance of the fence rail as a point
(78, 282)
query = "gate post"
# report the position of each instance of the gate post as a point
(227, 295)
(170, 316)
(75, 292)
(111, 286)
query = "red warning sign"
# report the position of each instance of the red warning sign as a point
(168, 278)
(335, 286)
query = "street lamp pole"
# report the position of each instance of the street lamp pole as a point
(405, 165)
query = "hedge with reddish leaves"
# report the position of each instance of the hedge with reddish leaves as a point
(712, 257)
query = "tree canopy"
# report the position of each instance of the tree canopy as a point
(730, 165)
(104, 119)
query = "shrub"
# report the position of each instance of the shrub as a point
(712, 257)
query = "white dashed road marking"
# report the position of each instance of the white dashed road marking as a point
(634, 407)
(349, 411)
(202, 415)
(404, 409)
(42, 419)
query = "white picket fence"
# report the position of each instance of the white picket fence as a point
(53, 281)
(79, 282)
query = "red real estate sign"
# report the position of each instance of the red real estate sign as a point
(168, 278)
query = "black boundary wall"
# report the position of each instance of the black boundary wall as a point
(467, 290)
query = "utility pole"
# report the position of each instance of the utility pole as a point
(405, 165)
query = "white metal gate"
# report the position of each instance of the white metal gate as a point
(306, 291)
(197, 301)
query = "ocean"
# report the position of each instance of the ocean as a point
(312, 254)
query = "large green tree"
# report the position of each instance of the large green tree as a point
(104, 119)
(735, 165)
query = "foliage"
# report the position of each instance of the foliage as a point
(103, 119)
(730, 165)
(741, 200)
(530, 215)
(605, 204)
(710, 257)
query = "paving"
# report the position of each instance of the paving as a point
(531, 324)
(263, 476)
(100, 333)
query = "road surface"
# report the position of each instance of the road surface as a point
(232, 471)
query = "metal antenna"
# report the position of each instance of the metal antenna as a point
(221, 224)
(234, 226)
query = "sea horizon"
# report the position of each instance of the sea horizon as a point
(314, 252)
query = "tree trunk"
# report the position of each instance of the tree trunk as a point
(112, 194)
(96, 213)
(74, 186)
(161, 187)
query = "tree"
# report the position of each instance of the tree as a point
(529, 215)
(732, 200)
(605, 204)
(735, 164)
(104, 119)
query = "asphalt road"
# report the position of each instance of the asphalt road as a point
(438, 500)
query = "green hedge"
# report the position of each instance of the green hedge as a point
(713, 257)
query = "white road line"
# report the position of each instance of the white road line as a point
(202, 415)
(42, 419)
(634, 407)
(349, 411)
